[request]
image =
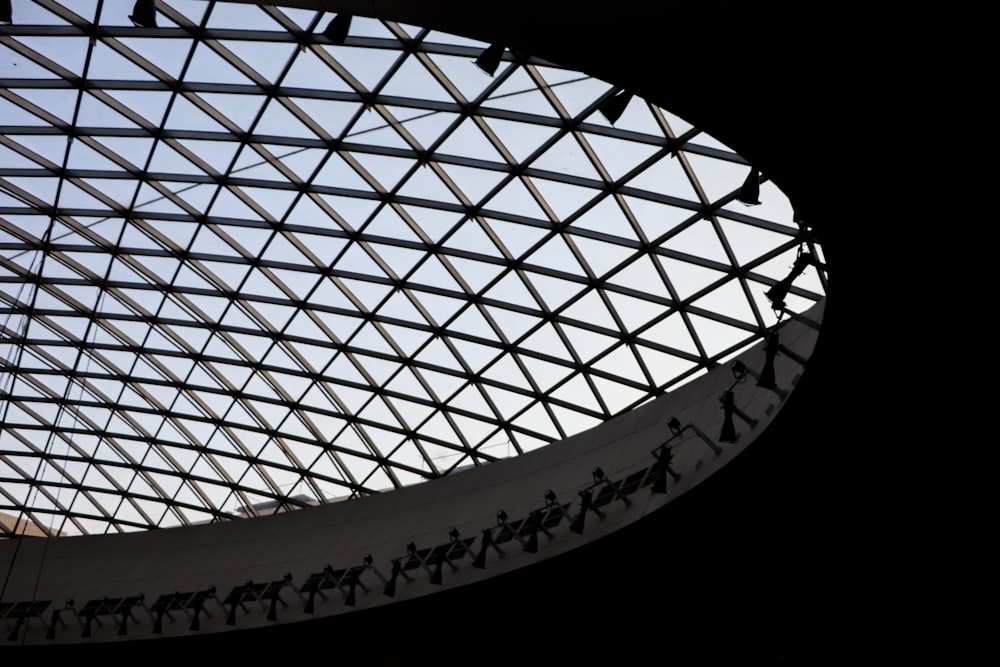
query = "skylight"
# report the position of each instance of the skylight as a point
(241, 266)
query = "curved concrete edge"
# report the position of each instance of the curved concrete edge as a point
(223, 557)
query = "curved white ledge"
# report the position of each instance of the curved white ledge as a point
(223, 557)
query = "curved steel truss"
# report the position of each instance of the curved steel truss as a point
(244, 268)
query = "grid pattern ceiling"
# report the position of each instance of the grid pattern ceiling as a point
(241, 265)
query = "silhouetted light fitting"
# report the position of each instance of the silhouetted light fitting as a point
(144, 14)
(728, 427)
(50, 632)
(552, 501)
(586, 500)
(600, 477)
(436, 577)
(421, 558)
(776, 295)
(338, 28)
(370, 564)
(274, 595)
(486, 542)
(664, 456)
(750, 190)
(231, 616)
(125, 609)
(197, 604)
(489, 59)
(533, 523)
(162, 607)
(613, 107)
(352, 598)
(767, 379)
(6, 13)
(390, 586)
(515, 533)
(674, 424)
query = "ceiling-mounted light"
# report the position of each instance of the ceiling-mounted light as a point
(728, 427)
(586, 501)
(750, 190)
(485, 543)
(338, 28)
(489, 59)
(776, 295)
(767, 379)
(144, 14)
(613, 107)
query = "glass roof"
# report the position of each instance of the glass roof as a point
(244, 268)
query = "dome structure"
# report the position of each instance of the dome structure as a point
(251, 265)
(803, 535)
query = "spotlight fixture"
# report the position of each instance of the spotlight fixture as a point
(6, 13)
(310, 602)
(353, 581)
(338, 28)
(124, 608)
(664, 456)
(515, 532)
(144, 14)
(533, 524)
(274, 591)
(776, 295)
(767, 379)
(586, 500)
(197, 604)
(231, 616)
(613, 107)
(611, 488)
(313, 585)
(370, 564)
(489, 59)
(553, 502)
(390, 586)
(162, 608)
(90, 613)
(674, 424)
(487, 542)
(729, 407)
(750, 190)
